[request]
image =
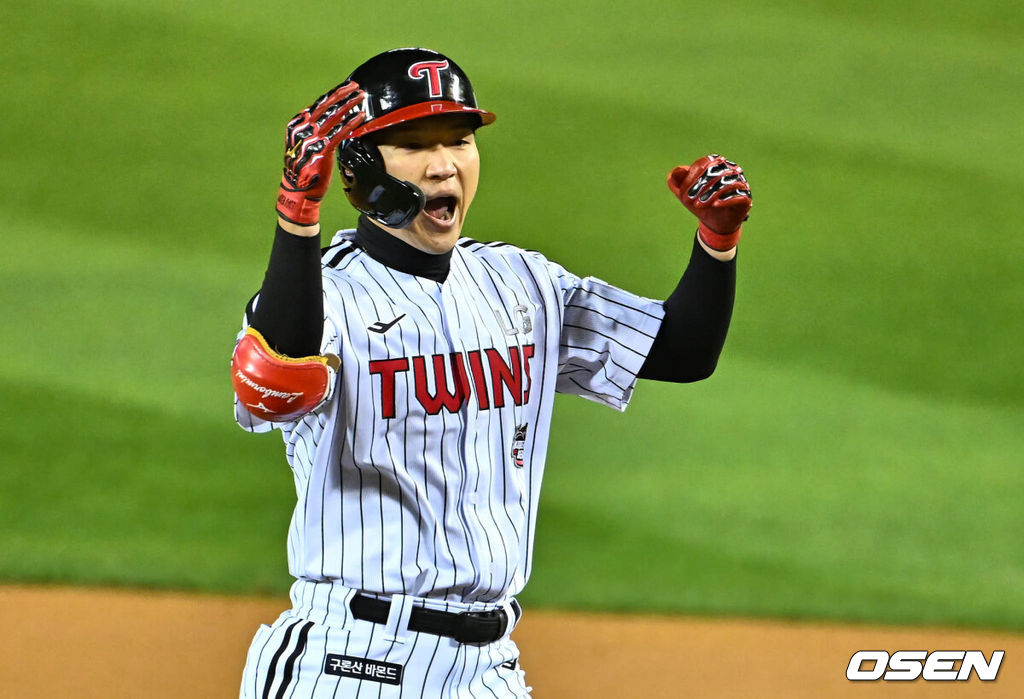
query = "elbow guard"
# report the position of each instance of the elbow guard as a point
(277, 388)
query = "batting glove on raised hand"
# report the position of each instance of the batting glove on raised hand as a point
(716, 192)
(310, 140)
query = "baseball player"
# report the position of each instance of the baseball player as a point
(411, 372)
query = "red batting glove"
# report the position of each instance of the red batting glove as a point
(716, 192)
(310, 140)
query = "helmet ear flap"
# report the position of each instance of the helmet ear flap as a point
(361, 149)
(369, 187)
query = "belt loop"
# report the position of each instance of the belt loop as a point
(397, 627)
(348, 594)
(513, 612)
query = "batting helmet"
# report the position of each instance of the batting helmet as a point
(400, 85)
(404, 84)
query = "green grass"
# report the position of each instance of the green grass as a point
(857, 456)
(831, 499)
(121, 494)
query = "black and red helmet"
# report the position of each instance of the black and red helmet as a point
(405, 84)
(400, 85)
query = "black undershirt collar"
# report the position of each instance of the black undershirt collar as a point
(394, 252)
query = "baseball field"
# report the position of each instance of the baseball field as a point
(855, 463)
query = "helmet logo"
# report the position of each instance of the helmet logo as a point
(432, 71)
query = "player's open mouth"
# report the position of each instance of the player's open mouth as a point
(441, 209)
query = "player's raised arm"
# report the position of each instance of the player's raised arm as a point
(698, 312)
(276, 369)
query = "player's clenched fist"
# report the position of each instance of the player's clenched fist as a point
(716, 192)
(310, 141)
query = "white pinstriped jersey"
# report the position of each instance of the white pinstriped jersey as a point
(421, 474)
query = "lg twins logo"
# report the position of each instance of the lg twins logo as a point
(908, 665)
(519, 445)
(431, 70)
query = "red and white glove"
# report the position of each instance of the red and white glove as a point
(716, 192)
(310, 141)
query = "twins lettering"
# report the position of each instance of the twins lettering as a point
(488, 377)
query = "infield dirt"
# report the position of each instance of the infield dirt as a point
(70, 642)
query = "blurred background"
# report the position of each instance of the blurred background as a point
(858, 454)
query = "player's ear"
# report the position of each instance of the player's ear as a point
(348, 179)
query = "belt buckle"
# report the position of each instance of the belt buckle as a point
(480, 627)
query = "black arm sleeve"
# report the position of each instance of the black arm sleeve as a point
(697, 316)
(290, 310)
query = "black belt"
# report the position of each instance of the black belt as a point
(464, 627)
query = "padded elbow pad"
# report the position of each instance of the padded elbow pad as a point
(277, 388)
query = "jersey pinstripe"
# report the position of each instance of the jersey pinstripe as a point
(421, 474)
